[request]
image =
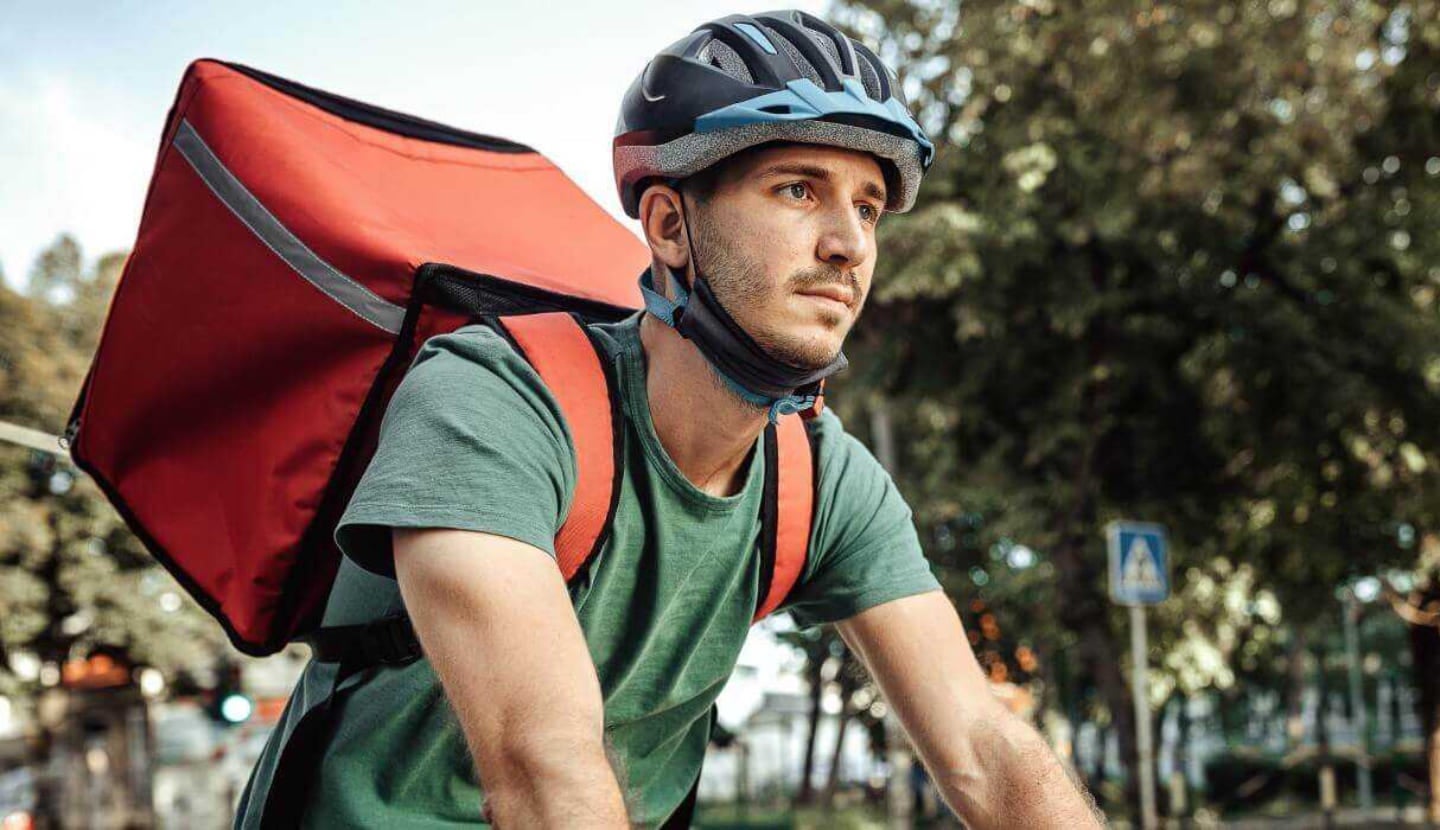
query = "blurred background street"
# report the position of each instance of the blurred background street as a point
(1176, 263)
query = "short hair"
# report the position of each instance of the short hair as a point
(703, 183)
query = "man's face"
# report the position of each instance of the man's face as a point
(788, 245)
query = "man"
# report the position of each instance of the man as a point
(758, 154)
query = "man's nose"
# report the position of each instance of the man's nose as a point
(843, 241)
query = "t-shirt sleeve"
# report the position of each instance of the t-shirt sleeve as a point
(471, 440)
(864, 548)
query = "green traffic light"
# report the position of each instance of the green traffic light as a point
(236, 708)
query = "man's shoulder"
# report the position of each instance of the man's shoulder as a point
(845, 467)
(472, 346)
(473, 377)
(832, 441)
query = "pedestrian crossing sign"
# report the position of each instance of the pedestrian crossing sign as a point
(1139, 563)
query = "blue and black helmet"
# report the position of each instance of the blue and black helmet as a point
(745, 80)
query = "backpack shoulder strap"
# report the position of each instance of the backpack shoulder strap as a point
(787, 511)
(559, 348)
(575, 371)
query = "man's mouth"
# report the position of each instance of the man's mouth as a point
(836, 293)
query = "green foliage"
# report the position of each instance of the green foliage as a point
(1174, 262)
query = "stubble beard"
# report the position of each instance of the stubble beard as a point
(742, 287)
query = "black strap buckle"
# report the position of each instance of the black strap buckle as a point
(384, 641)
(393, 639)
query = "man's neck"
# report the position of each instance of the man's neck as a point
(705, 429)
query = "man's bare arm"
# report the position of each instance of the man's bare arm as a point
(992, 768)
(495, 619)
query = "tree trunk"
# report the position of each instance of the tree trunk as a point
(1295, 689)
(51, 647)
(1425, 654)
(1079, 557)
(1097, 768)
(1322, 741)
(1182, 748)
(832, 782)
(817, 687)
(1100, 656)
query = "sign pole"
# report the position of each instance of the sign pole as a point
(1139, 650)
(1140, 576)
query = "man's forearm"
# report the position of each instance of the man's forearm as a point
(513, 662)
(1008, 777)
(575, 788)
(991, 767)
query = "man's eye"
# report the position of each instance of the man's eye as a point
(869, 214)
(796, 189)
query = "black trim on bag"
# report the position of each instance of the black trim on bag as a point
(769, 514)
(380, 118)
(499, 328)
(471, 292)
(72, 423)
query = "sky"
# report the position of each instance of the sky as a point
(85, 87)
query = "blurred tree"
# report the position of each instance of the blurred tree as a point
(56, 271)
(73, 579)
(817, 646)
(854, 690)
(1174, 262)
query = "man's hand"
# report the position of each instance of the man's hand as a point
(494, 618)
(991, 768)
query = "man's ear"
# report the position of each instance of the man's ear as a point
(662, 223)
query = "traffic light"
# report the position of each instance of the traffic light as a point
(229, 705)
(236, 708)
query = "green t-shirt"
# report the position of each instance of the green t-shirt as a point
(473, 440)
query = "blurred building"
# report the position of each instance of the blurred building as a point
(766, 704)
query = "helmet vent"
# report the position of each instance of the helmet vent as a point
(868, 78)
(829, 46)
(777, 109)
(719, 54)
(801, 62)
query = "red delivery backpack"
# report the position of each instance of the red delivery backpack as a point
(295, 250)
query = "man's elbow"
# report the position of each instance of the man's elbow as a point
(1002, 769)
(993, 742)
(540, 749)
(524, 772)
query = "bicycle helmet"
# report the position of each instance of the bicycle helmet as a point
(745, 80)
(735, 83)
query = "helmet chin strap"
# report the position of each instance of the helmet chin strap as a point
(750, 372)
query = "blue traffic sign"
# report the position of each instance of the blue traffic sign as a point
(1139, 563)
